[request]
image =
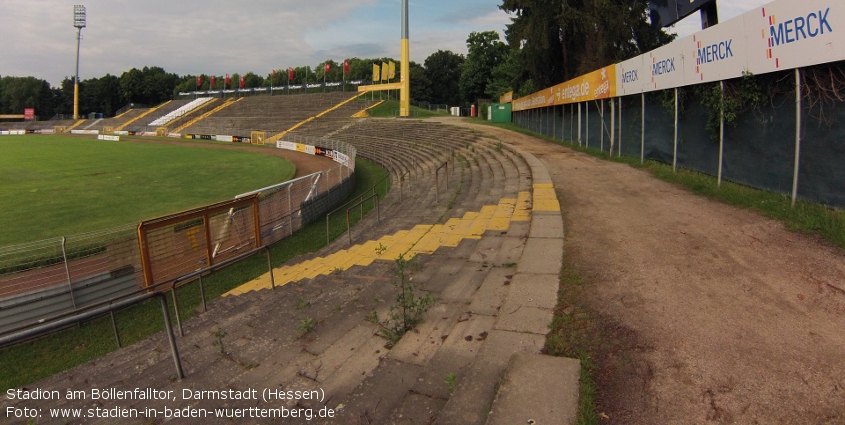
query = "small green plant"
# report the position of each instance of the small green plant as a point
(337, 308)
(509, 265)
(452, 383)
(406, 313)
(373, 317)
(380, 249)
(306, 325)
(337, 271)
(218, 341)
(376, 300)
(302, 304)
(498, 146)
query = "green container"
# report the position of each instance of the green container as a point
(501, 112)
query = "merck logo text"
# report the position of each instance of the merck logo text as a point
(801, 27)
(663, 67)
(629, 76)
(714, 52)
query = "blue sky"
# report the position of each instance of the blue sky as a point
(220, 36)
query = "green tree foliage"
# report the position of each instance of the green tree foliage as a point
(558, 40)
(507, 76)
(102, 95)
(443, 69)
(150, 85)
(420, 85)
(18, 93)
(485, 52)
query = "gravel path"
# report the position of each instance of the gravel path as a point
(723, 315)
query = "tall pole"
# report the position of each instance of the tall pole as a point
(76, 76)
(405, 91)
(79, 21)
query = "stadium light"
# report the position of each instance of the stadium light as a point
(79, 22)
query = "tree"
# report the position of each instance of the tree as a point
(486, 52)
(505, 77)
(558, 40)
(19, 93)
(443, 69)
(420, 85)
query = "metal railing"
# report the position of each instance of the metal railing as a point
(360, 197)
(437, 180)
(348, 222)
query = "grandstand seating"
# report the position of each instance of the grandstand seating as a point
(181, 111)
(271, 114)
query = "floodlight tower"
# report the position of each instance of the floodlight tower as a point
(405, 90)
(78, 23)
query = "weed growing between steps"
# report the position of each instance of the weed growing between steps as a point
(29, 362)
(805, 217)
(407, 311)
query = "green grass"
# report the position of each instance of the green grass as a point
(390, 109)
(27, 363)
(805, 217)
(575, 333)
(54, 185)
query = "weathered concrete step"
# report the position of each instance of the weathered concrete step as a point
(537, 389)
(476, 389)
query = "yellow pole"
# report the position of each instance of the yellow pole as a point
(405, 91)
(76, 101)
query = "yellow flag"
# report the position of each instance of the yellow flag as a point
(376, 74)
(384, 71)
(391, 70)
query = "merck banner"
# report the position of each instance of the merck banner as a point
(782, 35)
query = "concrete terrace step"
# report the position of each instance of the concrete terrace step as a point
(537, 389)
(421, 239)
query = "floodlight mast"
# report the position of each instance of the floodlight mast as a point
(405, 90)
(78, 23)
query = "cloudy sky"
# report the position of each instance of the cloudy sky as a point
(37, 37)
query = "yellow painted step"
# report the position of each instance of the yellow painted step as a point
(522, 212)
(545, 198)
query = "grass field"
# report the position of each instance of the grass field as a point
(29, 362)
(53, 185)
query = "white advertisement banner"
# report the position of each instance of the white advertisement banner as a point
(93, 132)
(341, 158)
(286, 145)
(790, 34)
(109, 138)
(782, 35)
(717, 53)
(223, 138)
(666, 67)
(310, 150)
(631, 75)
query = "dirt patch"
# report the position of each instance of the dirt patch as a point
(718, 314)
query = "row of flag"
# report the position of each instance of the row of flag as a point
(290, 74)
(228, 80)
(385, 72)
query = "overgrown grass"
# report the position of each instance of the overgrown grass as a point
(58, 185)
(575, 334)
(805, 217)
(390, 109)
(26, 363)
